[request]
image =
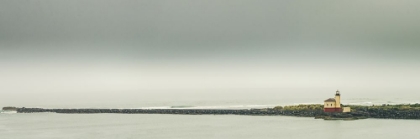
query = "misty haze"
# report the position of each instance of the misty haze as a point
(179, 55)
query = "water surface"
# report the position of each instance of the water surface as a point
(88, 126)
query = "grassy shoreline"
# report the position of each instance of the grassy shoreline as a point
(385, 111)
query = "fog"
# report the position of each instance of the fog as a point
(111, 47)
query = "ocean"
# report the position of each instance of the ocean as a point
(126, 126)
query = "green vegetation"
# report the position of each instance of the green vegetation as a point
(301, 107)
(354, 108)
(386, 107)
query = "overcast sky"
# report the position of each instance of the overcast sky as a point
(60, 46)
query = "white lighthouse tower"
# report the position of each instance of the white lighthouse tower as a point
(337, 99)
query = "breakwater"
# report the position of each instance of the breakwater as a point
(359, 114)
(175, 111)
(401, 111)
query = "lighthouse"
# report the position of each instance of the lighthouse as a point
(333, 104)
(337, 99)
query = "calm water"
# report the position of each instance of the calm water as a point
(88, 126)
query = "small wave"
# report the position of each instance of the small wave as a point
(234, 107)
(182, 106)
(8, 112)
(160, 107)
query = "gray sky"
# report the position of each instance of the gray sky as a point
(58, 46)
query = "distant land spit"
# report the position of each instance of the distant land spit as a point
(401, 111)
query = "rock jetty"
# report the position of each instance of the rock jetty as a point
(174, 111)
(359, 112)
(9, 108)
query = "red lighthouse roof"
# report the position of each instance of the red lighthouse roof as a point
(330, 100)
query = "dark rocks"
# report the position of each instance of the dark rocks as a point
(10, 108)
(177, 111)
(360, 114)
